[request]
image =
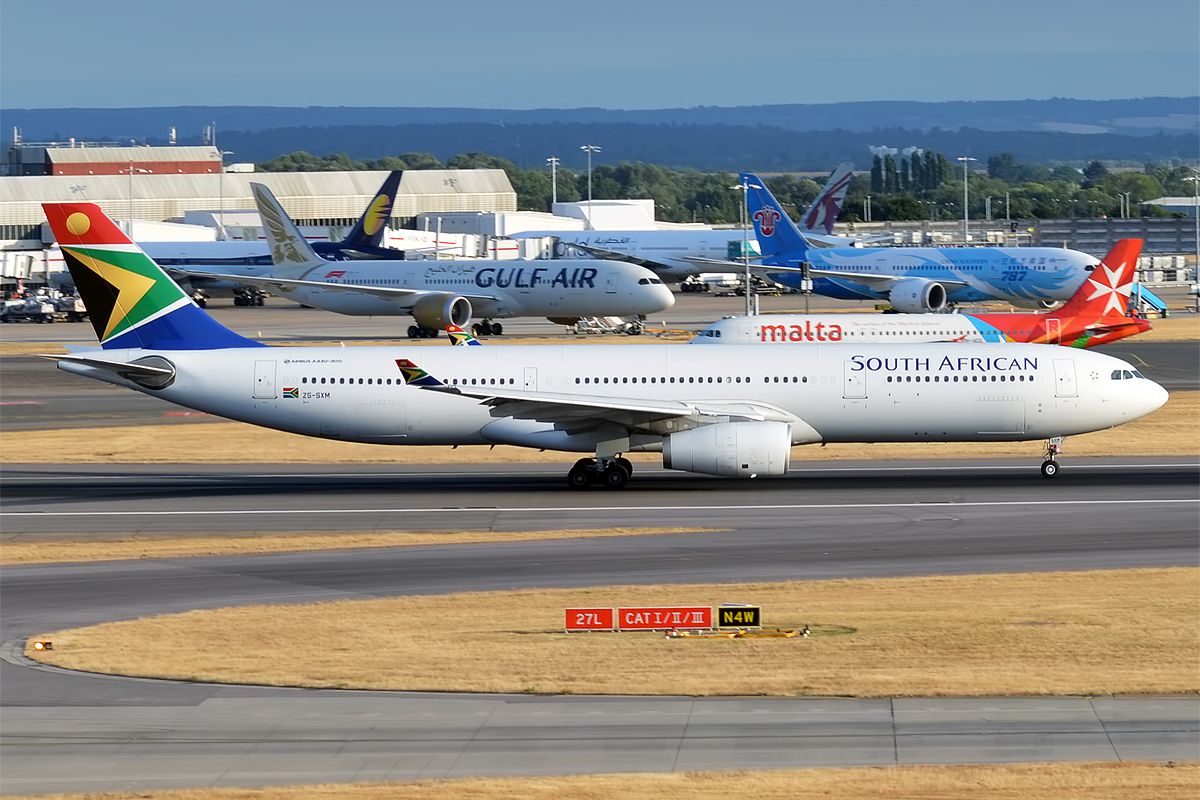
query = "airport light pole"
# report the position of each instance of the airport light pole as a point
(744, 188)
(553, 162)
(589, 149)
(1195, 179)
(966, 214)
(132, 169)
(221, 191)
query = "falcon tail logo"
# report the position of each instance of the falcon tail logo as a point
(766, 219)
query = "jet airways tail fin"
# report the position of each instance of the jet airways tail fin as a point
(1106, 292)
(822, 213)
(291, 253)
(130, 301)
(368, 232)
(777, 235)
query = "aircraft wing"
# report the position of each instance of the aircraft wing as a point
(287, 284)
(580, 410)
(878, 283)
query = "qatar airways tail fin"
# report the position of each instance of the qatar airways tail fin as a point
(822, 213)
(1106, 292)
(778, 236)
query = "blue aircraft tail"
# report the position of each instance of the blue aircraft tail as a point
(778, 236)
(368, 233)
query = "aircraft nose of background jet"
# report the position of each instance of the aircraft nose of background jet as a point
(654, 297)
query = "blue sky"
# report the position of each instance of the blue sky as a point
(608, 53)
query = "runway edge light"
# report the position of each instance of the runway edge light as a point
(41, 645)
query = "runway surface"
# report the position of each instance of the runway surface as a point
(67, 731)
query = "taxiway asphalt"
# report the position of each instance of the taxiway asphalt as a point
(69, 731)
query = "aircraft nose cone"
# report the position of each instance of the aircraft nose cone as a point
(1154, 396)
(658, 299)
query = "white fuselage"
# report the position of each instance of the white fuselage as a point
(496, 289)
(847, 328)
(829, 393)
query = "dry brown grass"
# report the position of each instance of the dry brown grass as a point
(1172, 430)
(1080, 781)
(1182, 327)
(1121, 631)
(14, 552)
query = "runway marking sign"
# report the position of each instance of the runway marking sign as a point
(589, 619)
(739, 617)
(657, 618)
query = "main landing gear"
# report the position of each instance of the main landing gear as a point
(612, 473)
(487, 328)
(417, 332)
(1053, 451)
(248, 297)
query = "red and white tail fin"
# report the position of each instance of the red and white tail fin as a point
(1106, 292)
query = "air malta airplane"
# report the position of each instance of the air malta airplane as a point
(441, 293)
(913, 279)
(1097, 313)
(736, 415)
(675, 254)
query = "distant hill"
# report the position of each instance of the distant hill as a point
(777, 137)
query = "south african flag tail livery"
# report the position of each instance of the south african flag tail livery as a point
(131, 301)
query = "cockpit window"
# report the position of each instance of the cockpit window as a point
(1126, 374)
(1116, 375)
(1138, 374)
(643, 281)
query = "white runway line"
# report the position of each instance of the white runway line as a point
(561, 509)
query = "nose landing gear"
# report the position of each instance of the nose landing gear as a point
(1053, 451)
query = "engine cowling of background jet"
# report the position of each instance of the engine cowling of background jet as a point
(439, 310)
(917, 296)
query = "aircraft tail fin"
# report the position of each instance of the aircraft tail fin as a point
(461, 338)
(822, 213)
(776, 233)
(131, 302)
(291, 253)
(1107, 290)
(369, 230)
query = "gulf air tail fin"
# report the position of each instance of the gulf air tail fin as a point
(367, 234)
(822, 213)
(291, 253)
(778, 236)
(129, 299)
(1106, 291)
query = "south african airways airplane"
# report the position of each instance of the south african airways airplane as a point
(913, 279)
(732, 412)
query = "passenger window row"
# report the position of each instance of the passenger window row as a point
(955, 378)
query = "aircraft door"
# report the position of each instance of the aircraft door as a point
(855, 386)
(610, 283)
(1053, 330)
(531, 379)
(1064, 378)
(264, 380)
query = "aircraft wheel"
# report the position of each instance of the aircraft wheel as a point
(1049, 468)
(497, 329)
(580, 477)
(625, 464)
(615, 477)
(477, 329)
(431, 333)
(414, 332)
(258, 301)
(202, 302)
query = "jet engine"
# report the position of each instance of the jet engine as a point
(437, 311)
(1040, 305)
(731, 449)
(917, 296)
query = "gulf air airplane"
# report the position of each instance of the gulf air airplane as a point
(913, 279)
(733, 412)
(676, 254)
(441, 293)
(1098, 313)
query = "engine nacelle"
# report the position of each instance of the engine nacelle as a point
(439, 310)
(917, 296)
(731, 449)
